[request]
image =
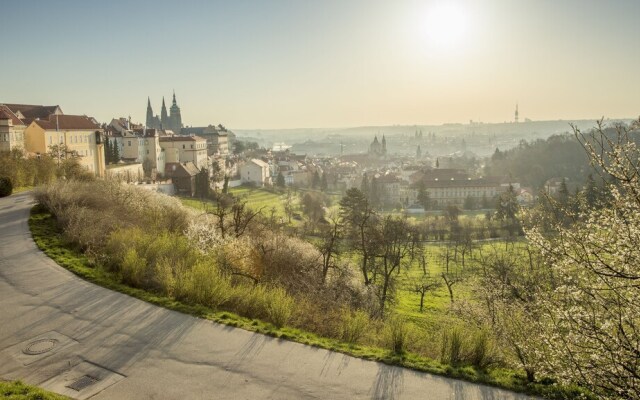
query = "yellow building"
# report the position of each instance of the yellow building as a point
(11, 130)
(82, 135)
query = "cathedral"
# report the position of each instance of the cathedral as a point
(378, 149)
(171, 121)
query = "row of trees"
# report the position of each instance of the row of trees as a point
(58, 162)
(111, 151)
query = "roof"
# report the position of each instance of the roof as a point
(68, 122)
(145, 132)
(32, 112)
(6, 113)
(259, 163)
(180, 138)
(180, 170)
(193, 130)
(389, 178)
(203, 130)
(453, 183)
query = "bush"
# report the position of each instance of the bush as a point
(354, 325)
(6, 187)
(451, 347)
(249, 300)
(397, 332)
(133, 268)
(482, 351)
(206, 286)
(279, 307)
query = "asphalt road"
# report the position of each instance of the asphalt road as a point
(72, 337)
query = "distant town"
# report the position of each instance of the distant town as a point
(415, 169)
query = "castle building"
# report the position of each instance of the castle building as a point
(165, 121)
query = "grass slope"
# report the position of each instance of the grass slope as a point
(49, 239)
(16, 390)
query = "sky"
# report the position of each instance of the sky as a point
(325, 63)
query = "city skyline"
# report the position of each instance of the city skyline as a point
(252, 65)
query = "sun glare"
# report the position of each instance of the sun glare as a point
(446, 25)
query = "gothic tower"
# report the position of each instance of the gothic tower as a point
(516, 118)
(175, 118)
(164, 117)
(149, 114)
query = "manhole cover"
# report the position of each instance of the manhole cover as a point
(40, 346)
(82, 383)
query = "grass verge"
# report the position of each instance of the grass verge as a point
(16, 390)
(48, 237)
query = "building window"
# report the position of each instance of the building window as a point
(129, 143)
(183, 146)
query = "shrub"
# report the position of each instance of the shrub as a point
(249, 300)
(451, 346)
(354, 325)
(165, 278)
(288, 262)
(397, 333)
(6, 187)
(133, 268)
(482, 352)
(279, 306)
(206, 286)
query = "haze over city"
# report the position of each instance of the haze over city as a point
(329, 199)
(286, 64)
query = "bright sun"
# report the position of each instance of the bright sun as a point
(446, 25)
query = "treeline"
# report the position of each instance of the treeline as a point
(533, 163)
(23, 171)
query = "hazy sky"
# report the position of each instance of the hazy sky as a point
(280, 64)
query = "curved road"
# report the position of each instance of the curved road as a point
(72, 337)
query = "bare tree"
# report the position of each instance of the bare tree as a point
(450, 275)
(425, 285)
(357, 213)
(393, 245)
(331, 235)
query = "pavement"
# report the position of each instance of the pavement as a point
(75, 338)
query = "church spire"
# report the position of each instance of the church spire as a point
(516, 116)
(164, 117)
(149, 121)
(175, 119)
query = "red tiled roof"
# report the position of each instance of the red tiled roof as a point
(6, 113)
(68, 122)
